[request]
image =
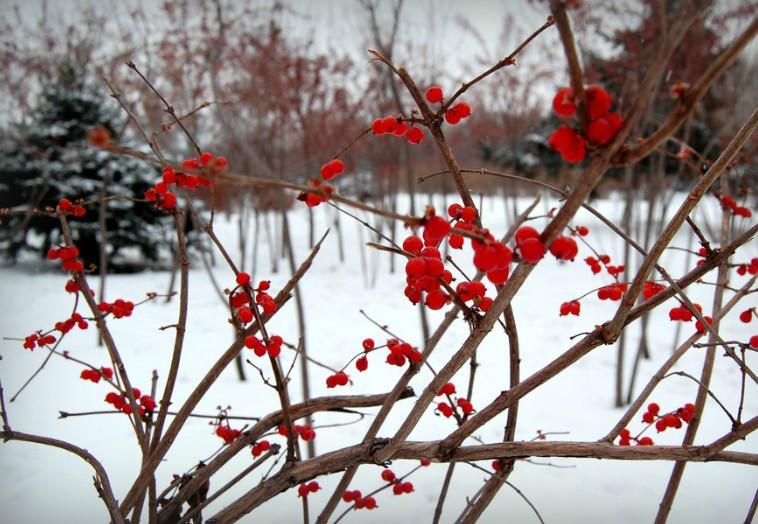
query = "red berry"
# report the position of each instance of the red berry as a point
(436, 227)
(389, 124)
(462, 109)
(485, 258)
(532, 250)
(361, 364)
(415, 135)
(700, 327)
(650, 289)
(445, 409)
(243, 279)
(435, 300)
(401, 129)
(388, 475)
(447, 389)
(434, 95)
(245, 314)
(454, 210)
(598, 101)
(563, 102)
(525, 232)
(568, 143)
(746, 316)
(468, 214)
(341, 378)
(415, 267)
(377, 127)
(455, 241)
(451, 117)
(564, 248)
(498, 276)
(599, 131)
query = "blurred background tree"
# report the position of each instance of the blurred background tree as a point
(47, 158)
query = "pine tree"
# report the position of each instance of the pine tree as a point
(49, 158)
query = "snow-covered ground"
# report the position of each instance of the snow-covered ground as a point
(41, 484)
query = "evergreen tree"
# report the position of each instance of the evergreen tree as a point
(50, 158)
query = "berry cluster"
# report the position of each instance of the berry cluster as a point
(239, 300)
(400, 351)
(399, 486)
(425, 271)
(38, 340)
(273, 348)
(332, 168)
(447, 410)
(308, 487)
(161, 193)
(602, 127)
(357, 498)
(682, 313)
(340, 378)
(121, 402)
(119, 309)
(227, 434)
(650, 289)
(492, 258)
(67, 325)
(474, 291)
(322, 194)
(700, 327)
(391, 125)
(94, 375)
(361, 364)
(652, 415)
(66, 207)
(397, 356)
(571, 308)
(613, 292)
(528, 243)
(739, 211)
(595, 263)
(454, 114)
(668, 420)
(68, 257)
(625, 439)
(72, 286)
(304, 431)
(259, 448)
(751, 268)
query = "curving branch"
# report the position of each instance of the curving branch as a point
(102, 482)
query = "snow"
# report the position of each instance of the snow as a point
(43, 484)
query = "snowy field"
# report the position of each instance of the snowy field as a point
(41, 484)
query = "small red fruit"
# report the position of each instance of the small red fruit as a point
(563, 102)
(434, 95)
